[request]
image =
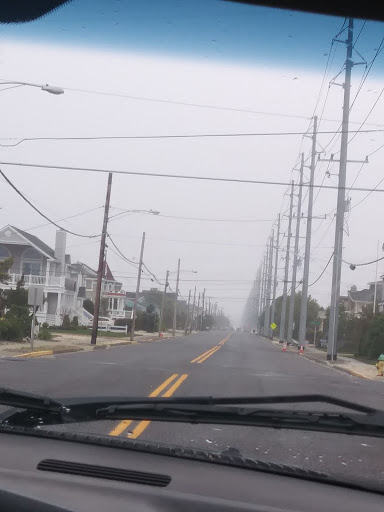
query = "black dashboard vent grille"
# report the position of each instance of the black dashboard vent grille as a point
(105, 472)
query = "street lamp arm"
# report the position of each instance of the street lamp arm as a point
(48, 88)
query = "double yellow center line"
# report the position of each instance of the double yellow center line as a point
(202, 357)
(142, 425)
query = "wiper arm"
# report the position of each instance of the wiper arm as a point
(23, 400)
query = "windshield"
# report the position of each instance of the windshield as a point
(191, 205)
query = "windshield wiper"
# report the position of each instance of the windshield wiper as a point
(24, 400)
(226, 411)
(246, 411)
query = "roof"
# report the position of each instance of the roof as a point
(84, 269)
(36, 242)
(107, 274)
(365, 295)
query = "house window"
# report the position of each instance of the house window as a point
(31, 262)
(4, 253)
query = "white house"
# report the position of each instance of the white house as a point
(111, 289)
(41, 266)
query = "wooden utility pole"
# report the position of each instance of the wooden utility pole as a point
(100, 269)
(134, 312)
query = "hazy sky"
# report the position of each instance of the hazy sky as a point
(207, 53)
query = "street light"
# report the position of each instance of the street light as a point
(123, 212)
(47, 88)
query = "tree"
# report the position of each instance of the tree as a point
(103, 306)
(66, 322)
(5, 266)
(16, 302)
(89, 306)
(313, 309)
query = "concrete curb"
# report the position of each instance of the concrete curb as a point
(40, 353)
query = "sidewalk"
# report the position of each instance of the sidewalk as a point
(344, 364)
(70, 342)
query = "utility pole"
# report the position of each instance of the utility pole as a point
(258, 326)
(307, 255)
(269, 286)
(295, 255)
(100, 269)
(137, 289)
(262, 292)
(265, 327)
(193, 311)
(163, 302)
(187, 317)
(198, 315)
(275, 271)
(375, 294)
(176, 296)
(339, 229)
(202, 310)
(286, 271)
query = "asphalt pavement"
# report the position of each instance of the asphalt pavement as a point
(211, 364)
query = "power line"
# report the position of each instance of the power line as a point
(369, 193)
(184, 136)
(152, 274)
(121, 254)
(214, 220)
(180, 176)
(322, 273)
(66, 218)
(41, 213)
(362, 264)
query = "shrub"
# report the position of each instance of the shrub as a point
(11, 330)
(75, 322)
(124, 322)
(89, 306)
(66, 322)
(45, 325)
(45, 334)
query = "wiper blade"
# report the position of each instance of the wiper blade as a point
(245, 411)
(363, 421)
(23, 400)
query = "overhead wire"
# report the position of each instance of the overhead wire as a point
(323, 271)
(177, 176)
(40, 212)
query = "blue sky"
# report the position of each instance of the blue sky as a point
(206, 29)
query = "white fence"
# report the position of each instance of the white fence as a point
(112, 328)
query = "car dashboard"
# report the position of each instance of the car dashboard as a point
(61, 471)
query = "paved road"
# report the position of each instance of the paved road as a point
(217, 364)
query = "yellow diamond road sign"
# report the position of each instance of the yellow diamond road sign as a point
(273, 326)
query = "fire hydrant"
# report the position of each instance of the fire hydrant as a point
(380, 365)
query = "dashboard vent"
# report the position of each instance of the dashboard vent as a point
(105, 472)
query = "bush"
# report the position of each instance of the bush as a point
(45, 334)
(75, 322)
(45, 325)
(66, 322)
(89, 306)
(11, 330)
(124, 322)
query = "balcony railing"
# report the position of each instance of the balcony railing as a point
(32, 280)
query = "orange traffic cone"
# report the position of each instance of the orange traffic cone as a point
(301, 350)
(284, 346)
